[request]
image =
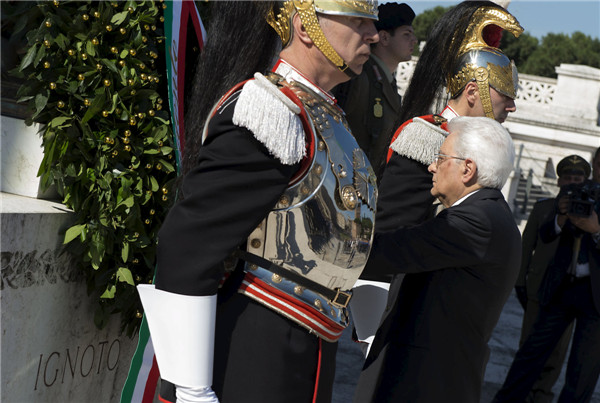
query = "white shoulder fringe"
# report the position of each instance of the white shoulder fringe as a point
(420, 141)
(273, 119)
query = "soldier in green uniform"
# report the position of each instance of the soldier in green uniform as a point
(371, 100)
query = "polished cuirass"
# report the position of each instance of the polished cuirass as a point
(322, 225)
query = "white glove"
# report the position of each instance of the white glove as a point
(192, 395)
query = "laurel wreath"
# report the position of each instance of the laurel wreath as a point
(93, 82)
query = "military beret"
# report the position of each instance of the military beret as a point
(393, 15)
(574, 165)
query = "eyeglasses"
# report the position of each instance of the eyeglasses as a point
(439, 158)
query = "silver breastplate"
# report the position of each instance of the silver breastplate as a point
(322, 226)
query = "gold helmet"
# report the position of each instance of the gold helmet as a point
(480, 60)
(307, 10)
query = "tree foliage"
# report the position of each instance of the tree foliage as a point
(518, 49)
(423, 22)
(531, 55)
(561, 48)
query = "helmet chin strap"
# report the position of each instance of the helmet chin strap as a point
(483, 85)
(347, 70)
(308, 16)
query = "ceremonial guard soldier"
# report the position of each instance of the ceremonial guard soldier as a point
(256, 263)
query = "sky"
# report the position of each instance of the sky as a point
(539, 18)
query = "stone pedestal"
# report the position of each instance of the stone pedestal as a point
(51, 350)
(21, 154)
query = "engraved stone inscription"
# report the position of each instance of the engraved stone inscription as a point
(78, 362)
(22, 270)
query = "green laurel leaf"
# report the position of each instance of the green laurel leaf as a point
(95, 107)
(125, 251)
(73, 233)
(28, 59)
(109, 292)
(118, 18)
(124, 275)
(57, 122)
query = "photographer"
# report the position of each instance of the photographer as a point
(570, 292)
(534, 260)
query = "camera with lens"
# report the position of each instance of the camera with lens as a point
(583, 197)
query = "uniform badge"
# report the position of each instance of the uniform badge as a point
(377, 108)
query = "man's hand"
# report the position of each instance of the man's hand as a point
(587, 224)
(522, 295)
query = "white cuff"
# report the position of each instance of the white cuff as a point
(182, 328)
(557, 228)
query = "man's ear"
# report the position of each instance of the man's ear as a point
(384, 37)
(299, 30)
(469, 172)
(471, 92)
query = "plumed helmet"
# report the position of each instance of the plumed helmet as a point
(485, 64)
(280, 20)
(479, 59)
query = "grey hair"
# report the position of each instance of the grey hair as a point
(487, 143)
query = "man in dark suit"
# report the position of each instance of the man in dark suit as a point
(460, 265)
(404, 197)
(570, 292)
(404, 192)
(535, 259)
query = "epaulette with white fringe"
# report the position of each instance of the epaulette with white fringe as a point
(273, 119)
(420, 141)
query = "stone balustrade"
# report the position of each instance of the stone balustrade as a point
(536, 89)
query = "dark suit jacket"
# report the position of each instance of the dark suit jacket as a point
(461, 266)
(536, 253)
(404, 200)
(558, 267)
